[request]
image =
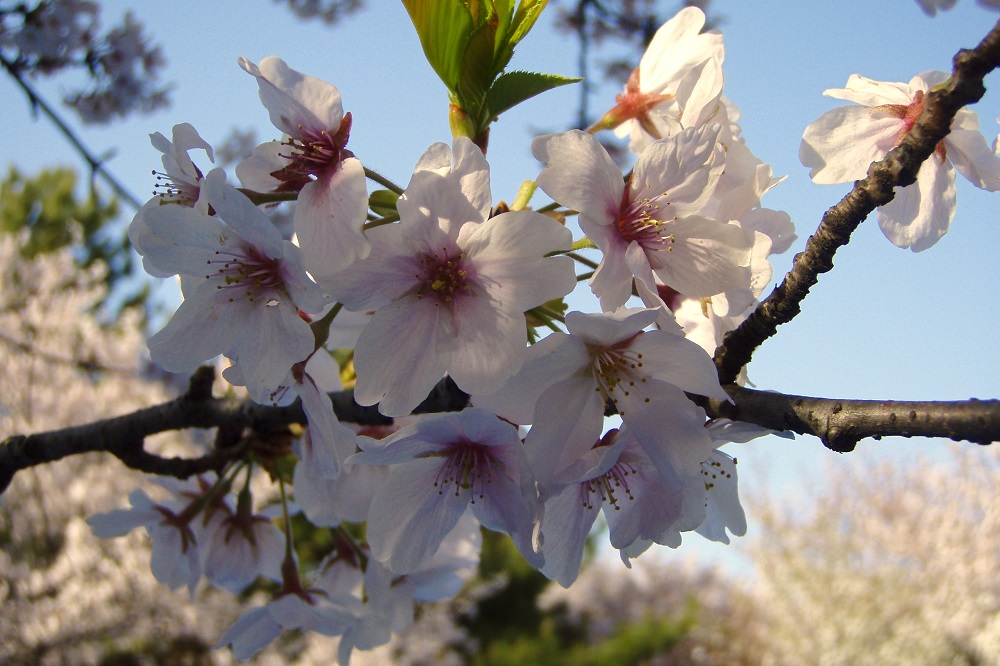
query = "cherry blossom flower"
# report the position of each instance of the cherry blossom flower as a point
(247, 286)
(296, 606)
(243, 546)
(180, 183)
(457, 282)
(619, 479)
(568, 378)
(651, 224)
(843, 142)
(333, 197)
(175, 527)
(441, 467)
(677, 84)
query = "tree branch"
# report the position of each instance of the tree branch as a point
(841, 424)
(899, 168)
(124, 436)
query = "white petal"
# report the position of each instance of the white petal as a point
(841, 145)
(921, 213)
(579, 174)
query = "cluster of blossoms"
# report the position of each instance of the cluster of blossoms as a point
(434, 281)
(446, 284)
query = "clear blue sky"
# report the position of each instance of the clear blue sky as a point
(884, 324)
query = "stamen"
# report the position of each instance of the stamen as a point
(469, 467)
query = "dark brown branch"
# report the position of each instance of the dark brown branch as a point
(841, 424)
(124, 436)
(899, 168)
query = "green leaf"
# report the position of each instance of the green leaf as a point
(512, 88)
(383, 202)
(444, 27)
(524, 19)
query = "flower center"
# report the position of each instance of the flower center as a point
(443, 277)
(248, 273)
(468, 467)
(610, 486)
(618, 373)
(639, 220)
(313, 152)
(909, 114)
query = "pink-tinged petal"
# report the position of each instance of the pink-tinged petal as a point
(508, 253)
(251, 633)
(412, 329)
(678, 361)
(329, 220)
(555, 357)
(434, 200)
(871, 93)
(920, 214)
(295, 101)
(255, 172)
(708, 257)
(173, 561)
(775, 224)
(609, 328)
(567, 424)
(579, 174)
(328, 436)
(175, 239)
(699, 92)
(472, 173)
(680, 172)
(973, 158)
(392, 268)
(199, 330)
(409, 517)
(275, 340)
(242, 216)
(506, 507)
(569, 516)
(612, 281)
(436, 158)
(119, 522)
(676, 48)
(841, 145)
(723, 508)
(488, 346)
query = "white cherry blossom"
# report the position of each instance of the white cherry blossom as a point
(843, 142)
(313, 160)
(441, 467)
(651, 224)
(246, 287)
(455, 280)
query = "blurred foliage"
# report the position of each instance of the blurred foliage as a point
(46, 206)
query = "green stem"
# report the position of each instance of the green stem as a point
(383, 181)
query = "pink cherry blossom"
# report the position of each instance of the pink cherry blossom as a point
(638, 502)
(333, 198)
(441, 467)
(246, 287)
(449, 283)
(651, 224)
(677, 84)
(843, 142)
(568, 378)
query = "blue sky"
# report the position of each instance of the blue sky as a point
(885, 323)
